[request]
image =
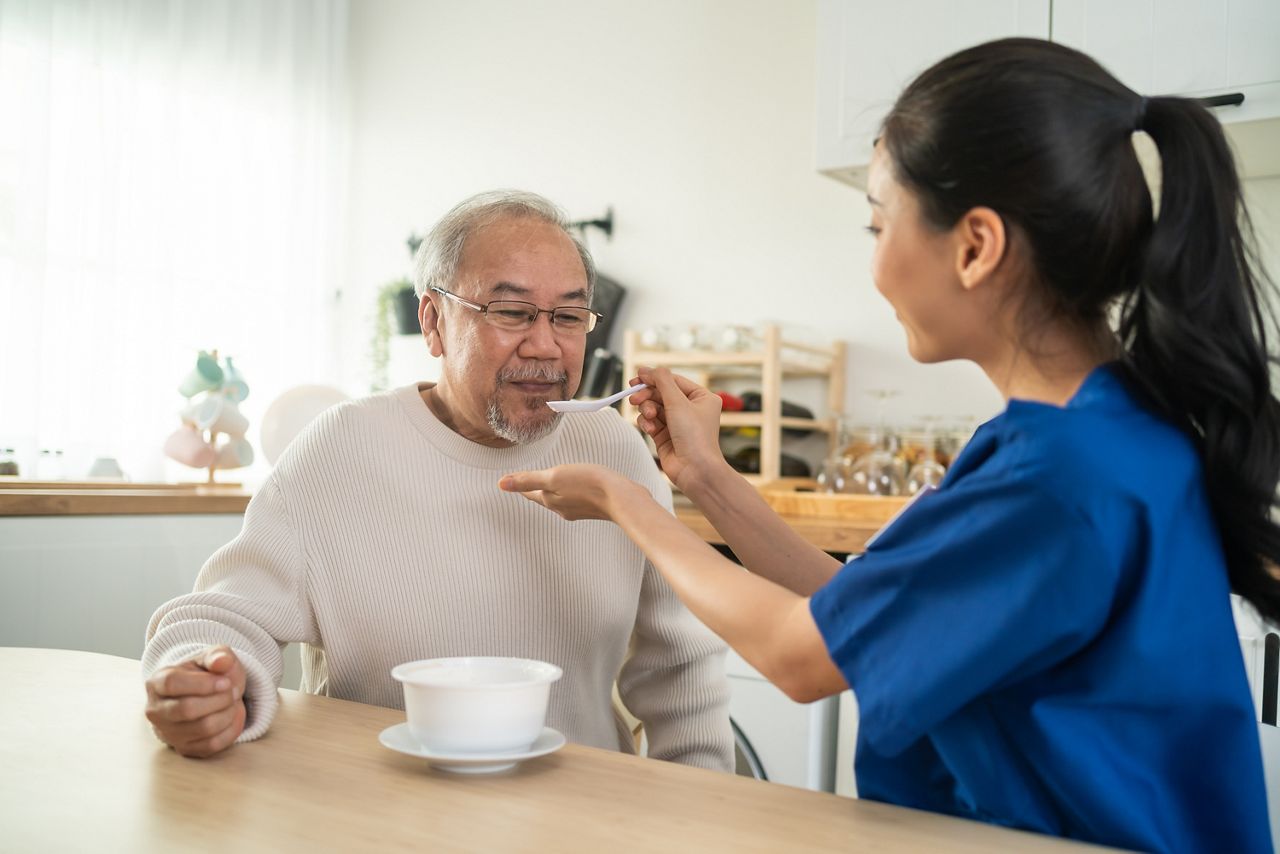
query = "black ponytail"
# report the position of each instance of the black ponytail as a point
(1042, 134)
(1195, 336)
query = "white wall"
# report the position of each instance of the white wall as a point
(695, 120)
(1262, 196)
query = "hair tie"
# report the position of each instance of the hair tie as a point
(1142, 114)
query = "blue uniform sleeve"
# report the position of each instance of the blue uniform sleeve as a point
(975, 587)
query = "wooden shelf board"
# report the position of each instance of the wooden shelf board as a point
(756, 419)
(862, 509)
(834, 523)
(62, 499)
(708, 362)
(113, 484)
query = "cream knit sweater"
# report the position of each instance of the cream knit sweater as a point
(382, 537)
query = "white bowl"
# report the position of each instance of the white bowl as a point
(476, 704)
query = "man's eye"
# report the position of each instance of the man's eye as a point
(511, 313)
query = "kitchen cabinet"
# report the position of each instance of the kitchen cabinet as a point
(868, 52)
(85, 565)
(93, 582)
(769, 363)
(847, 746)
(790, 743)
(1183, 47)
(1196, 48)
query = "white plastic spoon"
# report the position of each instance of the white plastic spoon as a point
(593, 405)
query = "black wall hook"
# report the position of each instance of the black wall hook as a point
(605, 224)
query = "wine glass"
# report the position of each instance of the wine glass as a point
(880, 471)
(832, 477)
(927, 471)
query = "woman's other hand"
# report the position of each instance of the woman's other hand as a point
(683, 419)
(573, 491)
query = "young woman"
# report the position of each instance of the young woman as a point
(1045, 642)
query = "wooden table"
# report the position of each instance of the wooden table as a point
(80, 770)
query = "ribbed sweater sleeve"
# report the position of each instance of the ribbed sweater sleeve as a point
(250, 596)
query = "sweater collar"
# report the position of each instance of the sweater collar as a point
(465, 451)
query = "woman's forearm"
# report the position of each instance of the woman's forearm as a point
(759, 537)
(769, 626)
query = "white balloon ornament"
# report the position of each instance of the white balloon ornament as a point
(290, 413)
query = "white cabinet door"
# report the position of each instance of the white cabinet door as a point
(1183, 47)
(795, 743)
(846, 746)
(867, 52)
(93, 582)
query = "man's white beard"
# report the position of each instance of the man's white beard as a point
(523, 434)
(520, 434)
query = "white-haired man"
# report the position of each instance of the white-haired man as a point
(382, 537)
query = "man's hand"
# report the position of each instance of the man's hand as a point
(197, 707)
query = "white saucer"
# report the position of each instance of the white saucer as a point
(399, 738)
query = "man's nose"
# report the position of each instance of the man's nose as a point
(540, 339)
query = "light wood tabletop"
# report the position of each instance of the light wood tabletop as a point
(81, 770)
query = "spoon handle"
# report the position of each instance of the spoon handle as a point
(626, 392)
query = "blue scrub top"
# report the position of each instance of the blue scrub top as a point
(1046, 642)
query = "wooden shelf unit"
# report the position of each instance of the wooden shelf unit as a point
(771, 363)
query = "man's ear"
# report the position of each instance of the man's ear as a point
(981, 244)
(432, 325)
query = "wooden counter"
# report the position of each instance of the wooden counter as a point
(832, 535)
(117, 498)
(835, 523)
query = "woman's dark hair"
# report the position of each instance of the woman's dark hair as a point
(1042, 135)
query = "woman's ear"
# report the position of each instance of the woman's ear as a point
(431, 322)
(981, 245)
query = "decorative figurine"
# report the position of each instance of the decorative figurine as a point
(213, 394)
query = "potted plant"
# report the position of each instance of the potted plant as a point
(396, 300)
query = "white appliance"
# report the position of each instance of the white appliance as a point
(1253, 631)
(846, 746)
(778, 739)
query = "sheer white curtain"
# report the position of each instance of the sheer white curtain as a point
(171, 179)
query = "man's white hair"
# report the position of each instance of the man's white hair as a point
(437, 260)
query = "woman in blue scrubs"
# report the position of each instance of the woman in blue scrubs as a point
(1046, 641)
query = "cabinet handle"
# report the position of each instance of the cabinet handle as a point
(1270, 677)
(1232, 99)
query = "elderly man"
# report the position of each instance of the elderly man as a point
(382, 537)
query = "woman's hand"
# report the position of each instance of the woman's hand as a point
(683, 419)
(573, 491)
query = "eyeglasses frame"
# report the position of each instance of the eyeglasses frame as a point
(484, 310)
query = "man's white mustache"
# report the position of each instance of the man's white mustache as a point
(545, 376)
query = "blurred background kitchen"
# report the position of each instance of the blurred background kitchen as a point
(178, 176)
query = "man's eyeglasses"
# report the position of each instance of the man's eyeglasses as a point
(517, 316)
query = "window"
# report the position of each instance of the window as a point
(170, 180)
